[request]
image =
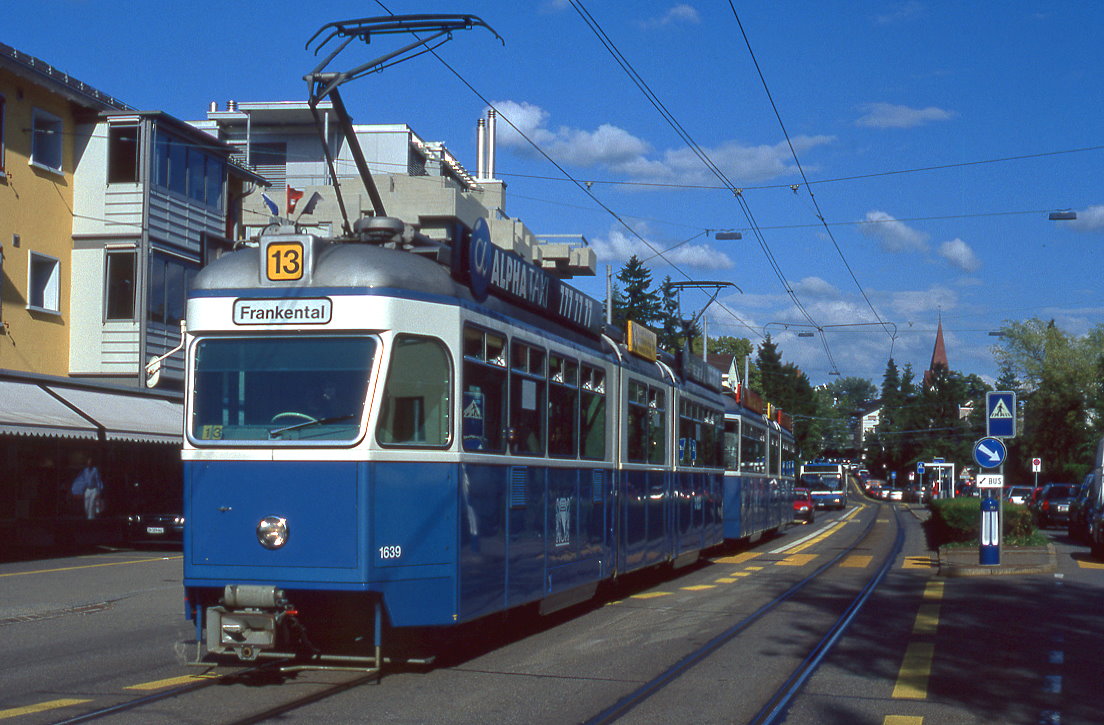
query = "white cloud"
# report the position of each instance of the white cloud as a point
(889, 115)
(620, 245)
(632, 158)
(1088, 220)
(892, 235)
(681, 13)
(922, 303)
(901, 13)
(959, 254)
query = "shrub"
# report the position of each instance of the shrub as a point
(958, 520)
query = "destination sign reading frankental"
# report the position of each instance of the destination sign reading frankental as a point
(302, 311)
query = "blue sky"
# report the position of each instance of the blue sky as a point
(936, 137)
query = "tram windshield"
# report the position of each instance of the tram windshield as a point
(272, 390)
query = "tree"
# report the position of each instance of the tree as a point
(1060, 392)
(638, 301)
(671, 333)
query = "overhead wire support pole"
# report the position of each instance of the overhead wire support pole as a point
(323, 84)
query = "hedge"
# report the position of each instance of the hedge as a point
(956, 520)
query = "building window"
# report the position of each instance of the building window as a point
(122, 154)
(169, 280)
(43, 277)
(121, 266)
(46, 135)
(186, 169)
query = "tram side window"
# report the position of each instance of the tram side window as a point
(711, 437)
(775, 457)
(563, 406)
(753, 450)
(646, 423)
(527, 406)
(732, 445)
(484, 397)
(592, 426)
(789, 458)
(416, 398)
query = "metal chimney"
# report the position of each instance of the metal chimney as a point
(481, 150)
(231, 105)
(492, 124)
(213, 108)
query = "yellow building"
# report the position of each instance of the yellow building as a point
(39, 111)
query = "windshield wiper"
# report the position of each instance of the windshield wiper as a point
(306, 424)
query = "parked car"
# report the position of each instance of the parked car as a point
(1053, 505)
(804, 509)
(155, 528)
(895, 493)
(874, 487)
(1080, 513)
(916, 493)
(1017, 494)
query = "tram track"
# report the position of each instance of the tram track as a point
(776, 704)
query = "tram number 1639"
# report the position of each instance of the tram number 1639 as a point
(390, 552)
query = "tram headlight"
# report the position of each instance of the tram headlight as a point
(272, 532)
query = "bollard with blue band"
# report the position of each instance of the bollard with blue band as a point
(989, 538)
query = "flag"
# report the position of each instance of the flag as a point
(312, 202)
(293, 197)
(272, 208)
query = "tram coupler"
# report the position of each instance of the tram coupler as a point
(246, 621)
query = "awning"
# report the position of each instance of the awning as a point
(27, 409)
(128, 417)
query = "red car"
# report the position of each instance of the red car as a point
(803, 507)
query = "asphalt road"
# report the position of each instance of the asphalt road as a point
(82, 633)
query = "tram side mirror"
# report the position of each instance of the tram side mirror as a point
(153, 372)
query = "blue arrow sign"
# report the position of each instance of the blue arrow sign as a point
(920, 468)
(990, 452)
(1000, 414)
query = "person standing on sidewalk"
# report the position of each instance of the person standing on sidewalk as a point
(89, 486)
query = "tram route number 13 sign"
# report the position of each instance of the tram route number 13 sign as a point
(284, 261)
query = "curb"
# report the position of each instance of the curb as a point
(1040, 562)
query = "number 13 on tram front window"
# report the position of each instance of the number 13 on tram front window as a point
(285, 261)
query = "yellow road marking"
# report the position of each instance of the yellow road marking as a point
(796, 560)
(1090, 564)
(40, 707)
(755, 568)
(91, 566)
(918, 562)
(857, 561)
(818, 538)
(737, 558)
(902, 720)
(170, 682)
(743, 573)
(927, 620)
(649, 595)
(933, 590)
(698, 587)
(912, 678)
(725, 580)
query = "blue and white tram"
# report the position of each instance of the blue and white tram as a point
(385, 432)
(759, 471)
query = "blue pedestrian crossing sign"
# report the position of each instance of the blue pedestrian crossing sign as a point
(990, 452)
(1000, 414)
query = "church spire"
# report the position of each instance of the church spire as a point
(939, 355)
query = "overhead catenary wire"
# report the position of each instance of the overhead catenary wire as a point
(808, 189)
(581, 185)
(698, 151)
